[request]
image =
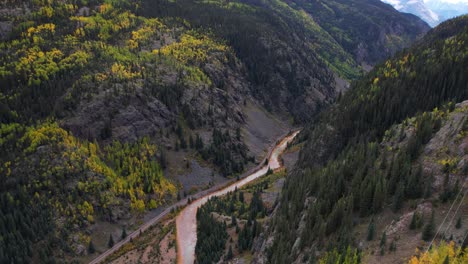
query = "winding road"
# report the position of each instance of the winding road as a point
(186, 221)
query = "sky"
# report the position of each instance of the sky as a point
(447, 1)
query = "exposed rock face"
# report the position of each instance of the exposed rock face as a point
(5, 29)
(142, 116)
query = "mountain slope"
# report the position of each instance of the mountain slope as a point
(433, 12)
(358, 164)
(263, 33)
(369, 30)
(418, 8)
(97, 96)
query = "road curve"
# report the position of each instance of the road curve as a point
(134, 234)
(186, 222)
(183, 202)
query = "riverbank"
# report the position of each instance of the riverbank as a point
(186, 220)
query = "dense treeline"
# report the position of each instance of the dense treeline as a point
(227, 152)
(244, 214)
(442, 253)
(22, 225)
(64, 56)
(55, 185)
(436, 71)
(355, 163)
(211, 236)
(66, 53)
(352, 30)
(265, 33)
(282, 39)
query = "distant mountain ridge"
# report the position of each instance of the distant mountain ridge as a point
(433, 12)
(105, 105)
(365, 157)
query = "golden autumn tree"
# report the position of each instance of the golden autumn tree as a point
(441, 254)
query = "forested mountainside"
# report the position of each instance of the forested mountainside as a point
(369, 30)
(286, 44)
(93, 94)
(393, 148)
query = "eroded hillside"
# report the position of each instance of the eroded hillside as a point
(110, 109)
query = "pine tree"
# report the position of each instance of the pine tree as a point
(393, 246)
(447, 193)
(111, 241)
(238, 133)
(465, 242)
(198, 142)
(382, 251)
(229, 255)
(458, 225)
(233, 220)
(398, 198)
(162, 159)
(191, 142)
(428, 187)
(414, 221)
(91, 248)
(383, 240)
(446, 260)
(269, 172)
(428, 231)
(371, 230)
(183, 143)
(379, 196)
(124, 233)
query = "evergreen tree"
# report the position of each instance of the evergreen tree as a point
(398, 198)
(229, 255)
(110, 243)
(412, 225)
(233, 220)
(162, 159)
(238, 134)
(371, 230)
(198, 142)
(124, 233)
(269, 172)
(465, 242)
(183, 143)
(428, 186)
(91, 248)
(428, 231)
(393, 246)
(415, 221)
(379, 196)
(446, 260)
(458, 225)
(383, 240)
(191, 142)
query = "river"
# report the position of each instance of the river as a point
(186, 221)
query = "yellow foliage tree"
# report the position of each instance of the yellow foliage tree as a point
(438, 255)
